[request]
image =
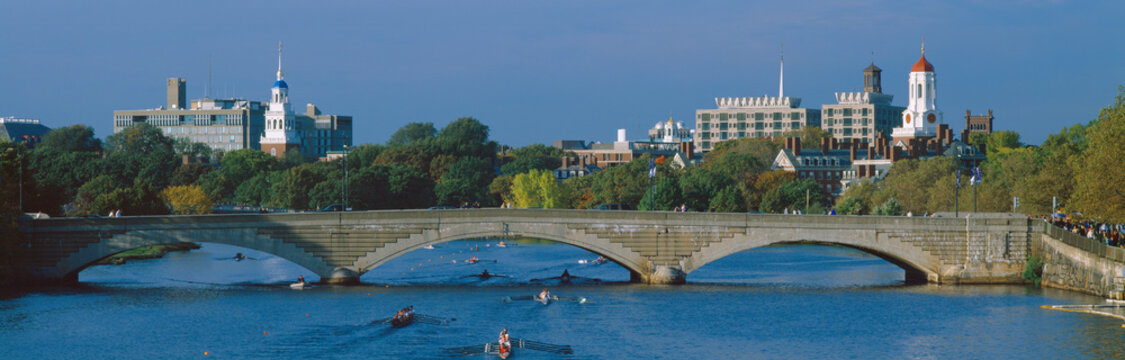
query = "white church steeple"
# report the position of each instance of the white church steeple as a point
(281, 133)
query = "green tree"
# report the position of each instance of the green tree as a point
(729, 199)
(90, 191)
(188, 174)
(889, 208)
(625, 183)
(1099, 176)
(466, 182)
(466, 137)
(256, 191)
(412, 133)
(792, 195)
(664, 195)
(141, 154)
(699, 184)
(533, 157)
(362, 156)
(66, 158)
(295, 187)
(851, 206)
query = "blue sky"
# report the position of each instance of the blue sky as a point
(539, 71)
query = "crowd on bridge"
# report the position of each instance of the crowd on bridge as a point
(1109, 234)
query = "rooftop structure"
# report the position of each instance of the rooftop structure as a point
(26, 131)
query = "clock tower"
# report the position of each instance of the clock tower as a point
(921, 117)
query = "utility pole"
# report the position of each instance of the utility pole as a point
(345, 178)
(21, 182)
(956, 191)
(806, 201)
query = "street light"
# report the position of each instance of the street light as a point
(345, 178)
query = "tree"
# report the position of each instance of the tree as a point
(625, 183)
(256, 191)
(533, 157)
(729, 199)
(851, 206)
(664, 195)
(889, 208)
(188, 174)
(500, 189)
(90, 191)
(810, 136)
(236, 167)
(699, 184)
(536, 188)
(466, 137)
(293, 191)
(187, 200)
(412, 133)
(66, 158)
(363, 156)
(1098, 184)
(792, 195)
(466, 182)
(141, 154)
(1001, 141)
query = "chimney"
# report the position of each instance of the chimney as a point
(851, 153)
(797, 146)
(824, 144)
(941, 132)
(948, 136)
(620, 135)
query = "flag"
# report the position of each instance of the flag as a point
(977, 176)
(651, 167)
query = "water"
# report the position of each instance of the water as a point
(776, 302)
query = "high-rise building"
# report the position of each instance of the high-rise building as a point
(232, 124)
(862, 116)
(756, 117)
(920, 119)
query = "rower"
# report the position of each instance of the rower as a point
(504, 342)
(238, 257)
(484, 274)
(300, 279)
(545, 294)
(473, 259)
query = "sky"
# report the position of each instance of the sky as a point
(540, 71)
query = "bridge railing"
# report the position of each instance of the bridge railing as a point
(1087, 244)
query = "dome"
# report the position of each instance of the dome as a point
(922, 66)
(280, 84)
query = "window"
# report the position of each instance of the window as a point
(706, 135)
(273, 151)
(706, 126)
(723, 126)
(777, 116)
(864, 111)
(759, 116)
(847, 112)
(722, 136)
(741, 126)
(776, 125)
(759, 126)
(795, 116)
(706, 144)
(723, 117)
(847, 122)
(741, 116)
(706, 117)
(795, 125)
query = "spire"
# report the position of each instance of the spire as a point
(279, 61)
(923, 46)
(781, 79)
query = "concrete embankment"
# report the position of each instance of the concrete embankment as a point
(1067, 266)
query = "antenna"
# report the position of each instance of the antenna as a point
(208, 95)
(781, 79)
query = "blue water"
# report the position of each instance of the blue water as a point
(779, 302)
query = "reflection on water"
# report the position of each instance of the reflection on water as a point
(781, 302)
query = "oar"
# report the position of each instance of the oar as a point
(468, 350)
(542, 346)
(580, 300)
(381, 321)
(514, 298)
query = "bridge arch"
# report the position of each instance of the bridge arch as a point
(70, 265)
(631, 261)
(918, 264)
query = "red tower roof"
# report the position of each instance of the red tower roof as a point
(922, 65)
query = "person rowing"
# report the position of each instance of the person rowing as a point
(505, 341)
(239, 257)
(484, 274)
(599, 260)
(544, 295)
(473, 260)
(300, 279)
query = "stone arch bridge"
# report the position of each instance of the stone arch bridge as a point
(656, 247)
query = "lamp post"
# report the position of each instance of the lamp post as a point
(345, 195)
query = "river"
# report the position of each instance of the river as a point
(778, 302)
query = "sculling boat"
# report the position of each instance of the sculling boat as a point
(299, 285)
(403, 321)
(506, 352)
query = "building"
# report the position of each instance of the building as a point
(233, 124)
(755, 117)
(601, 156)
(670, 131)
(26, 131)
(976, 124)
(920, 119)
(861, 116)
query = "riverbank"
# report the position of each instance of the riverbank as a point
(147, 252)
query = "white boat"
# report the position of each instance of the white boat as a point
(299, 285)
